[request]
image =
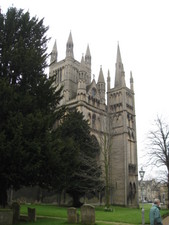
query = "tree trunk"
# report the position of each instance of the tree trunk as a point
(59, 196)
(107, 197)
(107, 192)
(168, 193)
(76, 201)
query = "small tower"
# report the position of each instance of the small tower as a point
(82, 71)
(69, 47)
(53, 60)
(101, 86)
(122, 128)
(88, 65)
(81, 90)
(88, 56)
(108, 86)
(119, 75)
(54, 54)
(131, 82)
(108, 81)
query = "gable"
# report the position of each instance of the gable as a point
(92, 90)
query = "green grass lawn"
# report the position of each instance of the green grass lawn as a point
(118, 214)
(46, 221)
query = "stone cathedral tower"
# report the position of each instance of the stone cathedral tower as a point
(115, 119)
(122, 128)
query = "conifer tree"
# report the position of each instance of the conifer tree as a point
(28, 102)
(81, 170)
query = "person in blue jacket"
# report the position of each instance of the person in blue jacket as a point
(155, 217)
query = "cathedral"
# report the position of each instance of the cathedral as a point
(110, 112)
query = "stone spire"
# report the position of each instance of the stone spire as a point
(131, 81)
(69, 47)
(101, 85)
(119, 75)
(88, 56)
(108, 81)
(82, 72)
(82, 61)
(54, 53)
(101, 77)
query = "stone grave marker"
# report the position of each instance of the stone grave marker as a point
(72, 215)
(31, 214)
(16, 212)
(88, 214)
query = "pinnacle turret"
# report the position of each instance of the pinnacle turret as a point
(131, 81)
(82, 72)
(101, 77)
(69, 47)
(82, 60)
(101, 85)
(88, 56)
(54, 53)
(108, 81)
(118, 58)
(120, 75)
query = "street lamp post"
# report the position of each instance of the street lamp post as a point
(142, 172)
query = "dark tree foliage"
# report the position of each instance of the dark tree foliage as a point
(81, 171)
(27, 103)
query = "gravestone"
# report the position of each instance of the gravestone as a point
(16, 212)
(72, 215)
(6, 217)
(88, 214)
(31, 214)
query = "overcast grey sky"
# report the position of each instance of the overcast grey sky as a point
(141, 28)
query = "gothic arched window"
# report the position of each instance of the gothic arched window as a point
(93, 92)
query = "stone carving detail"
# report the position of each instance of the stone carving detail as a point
(129, 106)
(131, 134)
(116, 107)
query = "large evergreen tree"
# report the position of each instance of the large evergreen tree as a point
(79, 156)
(27, 102)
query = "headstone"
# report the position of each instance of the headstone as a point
(31, 214)
(88, 214)
(72, 215)
(6, 217)
(16, 212)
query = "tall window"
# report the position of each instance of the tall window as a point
(93, 92)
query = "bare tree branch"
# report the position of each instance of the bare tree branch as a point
(158, 150)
